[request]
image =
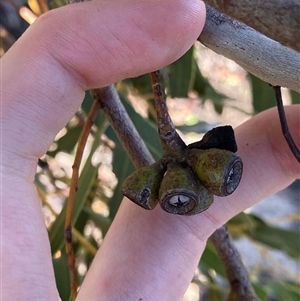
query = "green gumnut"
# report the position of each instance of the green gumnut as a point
(219, 170)
(182, 193)
(142, 186)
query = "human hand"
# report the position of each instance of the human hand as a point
(146, 254)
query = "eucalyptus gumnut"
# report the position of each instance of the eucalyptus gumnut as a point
(219, 170)
(182, 193)
(142, 186)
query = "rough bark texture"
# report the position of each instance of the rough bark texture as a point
(279, 20)
(241, 288)
(267, 59)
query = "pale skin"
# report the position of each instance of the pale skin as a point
(146, 254)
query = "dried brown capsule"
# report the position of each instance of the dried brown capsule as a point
(219, 170)
(182, 193)
(142, 186)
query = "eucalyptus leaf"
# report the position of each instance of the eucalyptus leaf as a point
(61, 271)
(67, 142)
(254, 227)
(181, 75)
(141, 83)
(285, 290)
(211, 260)
(260, 291)
(263, 96)
(295, 97)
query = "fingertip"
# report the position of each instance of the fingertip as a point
(88, 45)
(106, 42)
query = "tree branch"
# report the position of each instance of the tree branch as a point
(170, 139)
(279, 20)
(258, 54)
(241, 288)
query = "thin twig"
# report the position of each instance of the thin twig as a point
(169, 137)
(73, 188)
(284, 126)
(241, 288)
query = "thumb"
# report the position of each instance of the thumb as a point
(84, 45)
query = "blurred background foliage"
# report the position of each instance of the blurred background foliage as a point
(197, 103)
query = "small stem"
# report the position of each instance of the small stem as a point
(171, 141)
(241, 288)
(284, 126)
(73, 188)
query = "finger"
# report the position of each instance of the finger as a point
(44, 76)
(152, 250)
(26, 263)
(85, 45)
(269, 164)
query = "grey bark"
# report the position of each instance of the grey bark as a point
(265, 58)
(277, 19)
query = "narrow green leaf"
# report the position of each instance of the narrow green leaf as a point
(200, 82)
(211, 260)
(295, 97)
(141, 83)
(181, 75)
(67, 142)
(281, 239)
(263, 96)
(285, 290)
(254, 227)
(260, 291)
(61, 272)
